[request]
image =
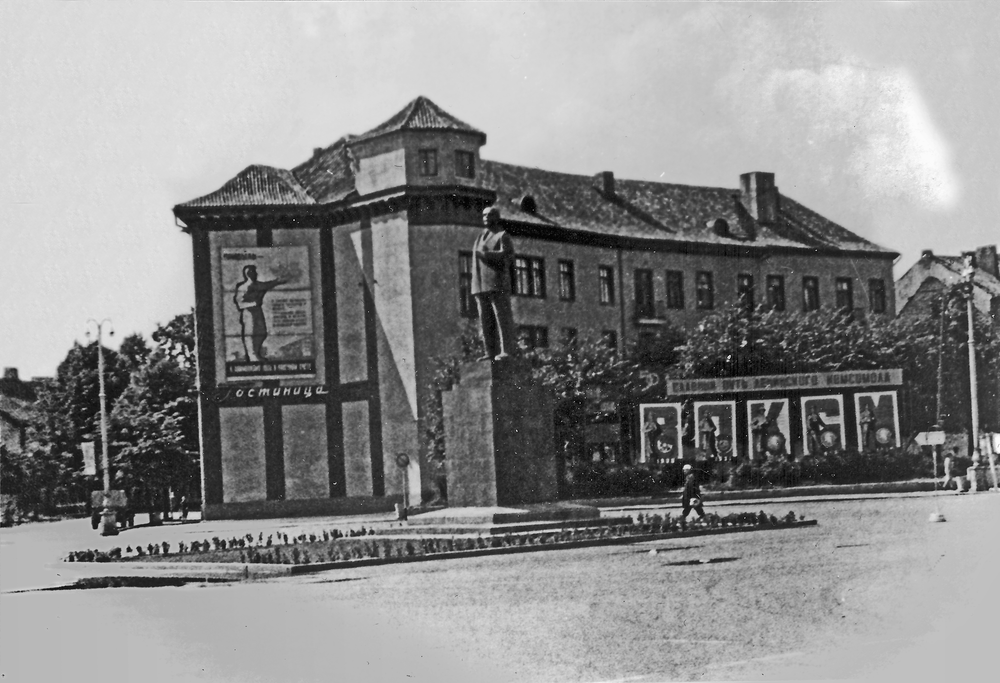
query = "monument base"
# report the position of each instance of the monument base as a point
(499, 437)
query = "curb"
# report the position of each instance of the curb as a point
(238, 571)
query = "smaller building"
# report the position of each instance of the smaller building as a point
(919, 290)
(16, 399)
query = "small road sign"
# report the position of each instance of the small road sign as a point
(935, 438)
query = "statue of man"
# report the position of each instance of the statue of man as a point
(493, 256)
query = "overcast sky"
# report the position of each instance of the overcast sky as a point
(881, 116)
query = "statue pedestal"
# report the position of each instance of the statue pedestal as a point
(499, 437)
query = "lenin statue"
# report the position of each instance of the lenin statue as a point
(493, 256)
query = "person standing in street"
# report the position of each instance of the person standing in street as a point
(691, 497)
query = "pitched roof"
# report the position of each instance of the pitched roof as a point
(651, 210)
(256, 186)
(637, 209)
(420, 114)
(984, 279)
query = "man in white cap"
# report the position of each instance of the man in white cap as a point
(691, 497)
(493, 256)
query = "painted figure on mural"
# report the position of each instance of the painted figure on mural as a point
(815, 427)
(867, 423)
(493, 257)
(707, 429)
(760, 427)
(249, 299)
(651, 430)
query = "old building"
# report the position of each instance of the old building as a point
(919, 290)
(324, 292)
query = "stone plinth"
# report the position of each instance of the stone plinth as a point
(499, 437)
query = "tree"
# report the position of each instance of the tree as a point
(68, 413)
(155, 420)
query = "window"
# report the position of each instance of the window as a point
(810, 293)
(876, 296)
(776, 292)
(610, 339)
(644, 306)
(533, 337)
(569, 336)
(466, 304)
(675, 289)
(567, 281)
(606, 278)
(744, 290)
(705, 289)
(428, 161)
(845, 294)
(465, 164)
(529, 277)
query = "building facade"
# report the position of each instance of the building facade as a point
(325, 292)
(920, 288)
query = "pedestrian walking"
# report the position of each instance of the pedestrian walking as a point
(691, 498)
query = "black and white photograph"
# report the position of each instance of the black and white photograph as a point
(514, 342)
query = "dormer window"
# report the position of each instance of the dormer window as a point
(465, 164)
(428, 162)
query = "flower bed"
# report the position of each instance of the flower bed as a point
(335, 546)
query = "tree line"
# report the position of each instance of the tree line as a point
(152, 408)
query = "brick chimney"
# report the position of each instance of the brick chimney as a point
(760, 197)
(986, 259)
(605, 183)
(10, 373)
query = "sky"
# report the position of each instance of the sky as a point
(880, 116)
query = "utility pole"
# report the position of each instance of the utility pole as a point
(108, 526)
(969, 274)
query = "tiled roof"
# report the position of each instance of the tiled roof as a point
(327, 175)
(983, 279)
(420, 114)
(637, 209)
(665, 211)
(256, 186)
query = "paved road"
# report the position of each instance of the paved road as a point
(874, 590)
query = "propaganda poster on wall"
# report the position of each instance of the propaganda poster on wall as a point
(878, 420)
(267, 313)
(661, 432)
(715, 429)
(822, 423)
(770, 431)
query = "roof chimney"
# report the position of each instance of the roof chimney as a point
(10, 373)
(605, 181)
(760, 196)
(986, 259)
(926, 254)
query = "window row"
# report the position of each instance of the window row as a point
(537, 337)
(528, 280)
(465, 163)
(774, 292)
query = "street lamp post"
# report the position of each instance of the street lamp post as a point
(108, 526)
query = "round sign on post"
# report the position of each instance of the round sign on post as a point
(403, 463)
(402, 460)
